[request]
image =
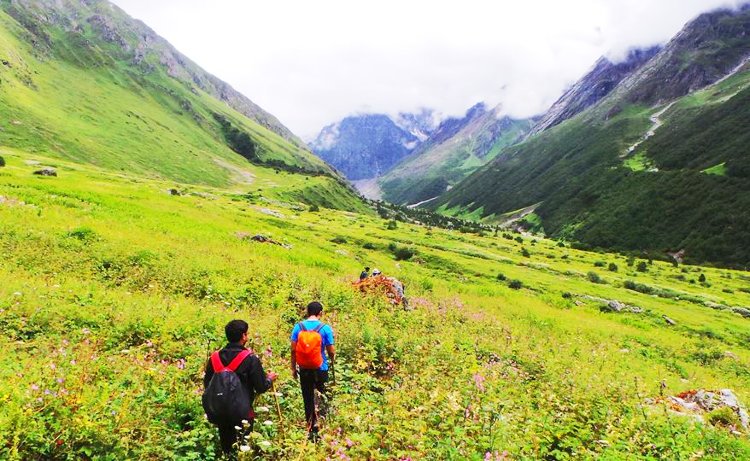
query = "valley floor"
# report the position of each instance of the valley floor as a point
(113, 292)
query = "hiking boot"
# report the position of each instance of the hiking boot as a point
(313, 435)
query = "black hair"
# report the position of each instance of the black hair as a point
(235, 329)
(367, 269)
(314, 308)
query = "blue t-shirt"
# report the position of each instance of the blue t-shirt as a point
(326, 333)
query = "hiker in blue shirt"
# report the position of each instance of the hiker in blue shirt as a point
(312, 346)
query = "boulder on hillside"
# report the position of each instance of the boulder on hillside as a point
(46, 171)
(701, 403)
(613, 305)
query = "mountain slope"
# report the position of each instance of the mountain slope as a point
(85, 82)
(593, 87)
(626, 175)
(455, 149)
(364, 146)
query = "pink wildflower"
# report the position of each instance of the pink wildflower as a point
(479, 381)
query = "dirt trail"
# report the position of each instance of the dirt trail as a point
(657, 122)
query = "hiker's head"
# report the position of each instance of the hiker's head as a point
(376, 272)
(367, 269)
(236, 331)
(314, 308)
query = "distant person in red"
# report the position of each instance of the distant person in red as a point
(234, 362)
(311, 340)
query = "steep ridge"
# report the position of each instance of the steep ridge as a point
(673, 188)
(593, 87)
(455, 149)
(83, 81)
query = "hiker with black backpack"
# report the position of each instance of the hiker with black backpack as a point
(233, 376)
(311, 340)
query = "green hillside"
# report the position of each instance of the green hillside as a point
(634, 177)
(114, 291)
(69, 90)
(456, 149)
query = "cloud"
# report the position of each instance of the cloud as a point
(312, 63)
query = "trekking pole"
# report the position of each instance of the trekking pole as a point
(278, 410)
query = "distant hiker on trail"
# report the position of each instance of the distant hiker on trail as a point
(365, 273)
(311, 339)
(228, 405)
(394, 287)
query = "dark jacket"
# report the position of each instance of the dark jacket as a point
(250, 371)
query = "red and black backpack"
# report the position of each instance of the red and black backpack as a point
(225, 400)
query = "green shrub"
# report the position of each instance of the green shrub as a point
(502, 277)
(600, 264)
(314, 208)
(724, 416)
(369, 246)
(404, 253)
(639, 287)
(594, 277)
(83, 234)
(525, 253)
(613, 267)
(392, 225)
(642, 267)
(515, 284)
(702, 278)
(339, 240)
(2, 161)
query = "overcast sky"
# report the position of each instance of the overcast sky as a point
(311, 63)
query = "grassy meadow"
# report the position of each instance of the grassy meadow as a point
(114, 291)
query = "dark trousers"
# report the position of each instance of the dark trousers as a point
(228, 436)
(310, 380)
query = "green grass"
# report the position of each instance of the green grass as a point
(122, 288)
(638, 162)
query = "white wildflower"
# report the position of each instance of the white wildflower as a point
(264, 444)
(244, 448)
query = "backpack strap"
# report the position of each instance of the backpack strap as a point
(216, 362)
(319, 327)
(238, 360)
(302, 326)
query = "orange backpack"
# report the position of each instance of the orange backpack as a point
(309, 349)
